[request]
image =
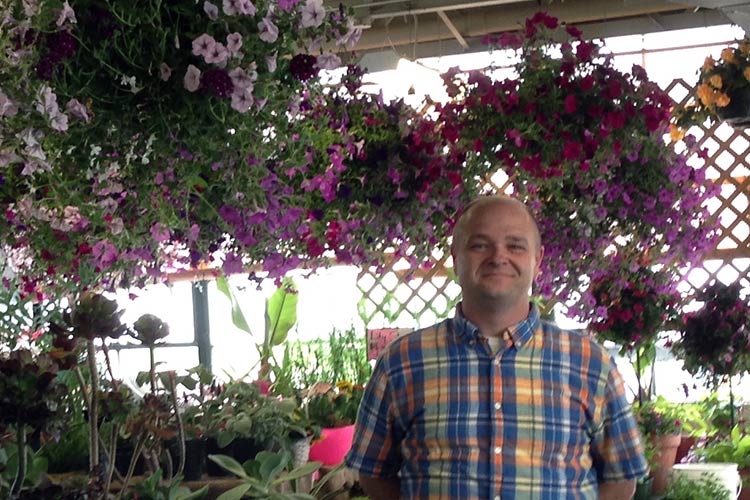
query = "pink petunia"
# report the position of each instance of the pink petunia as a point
(192, 79)
(232, 264)
(211, 10)
(313, 14)
(271, 63)
(234, 42)
(246, 7)
(242, 99)
(203, 45)
(241, 80)
(7, 107)
(328, 61)
(269, 32)
(217, 55)
(159, 232)
(66, 15)
(164, 72)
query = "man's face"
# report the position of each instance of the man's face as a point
(496, 254)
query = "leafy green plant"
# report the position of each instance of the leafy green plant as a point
(280, 318)
(340, 357)
(264, 477)
(154, 488)
(733, 448)
(35, 466)
(708, 486)
(334, 405)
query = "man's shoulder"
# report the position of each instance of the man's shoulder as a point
(574, 339)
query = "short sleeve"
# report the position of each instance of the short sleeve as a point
(616, 447)
(376, 447)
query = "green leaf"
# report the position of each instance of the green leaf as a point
(281, 313)
(301, 471)
(196, 494)
(238, 318)
(271, 465)
(230, 464)
(235, 493)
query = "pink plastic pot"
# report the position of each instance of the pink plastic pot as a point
(333, 445)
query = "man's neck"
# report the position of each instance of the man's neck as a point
(491, 320)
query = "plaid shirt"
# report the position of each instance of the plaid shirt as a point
(545, 417)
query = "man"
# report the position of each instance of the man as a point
(492, 403)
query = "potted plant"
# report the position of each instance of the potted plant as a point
(630, 306)
(713, 340)
(269, 475)
(732, 447)
(660, 429)
(705, 486)
(30, 393)
(333, 407)
(723, 89)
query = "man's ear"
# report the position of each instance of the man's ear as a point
(539, 257)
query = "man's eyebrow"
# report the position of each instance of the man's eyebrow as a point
(519, 239)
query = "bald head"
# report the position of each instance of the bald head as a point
(481, 202)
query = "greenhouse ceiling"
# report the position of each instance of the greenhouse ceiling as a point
(395, 29)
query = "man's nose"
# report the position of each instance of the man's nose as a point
(499, 254)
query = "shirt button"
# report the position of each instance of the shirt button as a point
(498, 450)
(498, 405)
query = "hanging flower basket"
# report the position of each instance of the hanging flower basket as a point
(737, 112)
(583, 143)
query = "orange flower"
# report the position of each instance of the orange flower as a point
(727, 55)
(709, 63)
(676, 133)
(722, 100)
(744, 47)
(746, 73)
(705, 94)
(716, 81)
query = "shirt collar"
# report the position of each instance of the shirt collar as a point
(520, 333)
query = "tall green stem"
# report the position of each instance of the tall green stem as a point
(93, 409)
(21, 471)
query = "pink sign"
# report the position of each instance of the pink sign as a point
(378, 338)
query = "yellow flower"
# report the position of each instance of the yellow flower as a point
(722, 100)
(705, 94)
(746, 73)
(709, 63)
(727, 55)
(676, 133)
(715, 81)
(744, 47)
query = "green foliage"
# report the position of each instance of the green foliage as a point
(335, 407)
(264, 476)
(707, 487)
(733, 448)
(658, 417)
(280, 318)
(714, 338)
(36, 466)
(70, 452)
(341, 357)
(154, 488)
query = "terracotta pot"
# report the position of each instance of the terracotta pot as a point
(686, 443)
(745, 476)
(664, 459)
